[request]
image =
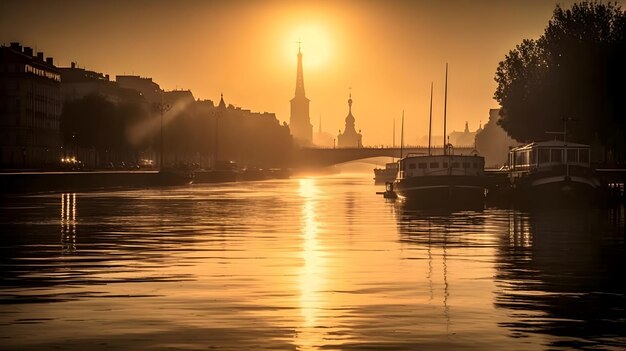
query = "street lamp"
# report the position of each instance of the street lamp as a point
(162, 108)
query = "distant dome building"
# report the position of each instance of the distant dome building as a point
(349, 137)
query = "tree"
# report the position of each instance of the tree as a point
(575, 70)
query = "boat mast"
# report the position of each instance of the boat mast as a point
(393, 143)
(445, 105)
(402, 135)
(430, 121)
(394, 133)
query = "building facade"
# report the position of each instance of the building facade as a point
(299, 120)
(30, 109)
(350, 137)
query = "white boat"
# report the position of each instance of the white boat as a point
(387, 174)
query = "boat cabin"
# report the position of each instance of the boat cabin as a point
(548, 154)
(441, 165)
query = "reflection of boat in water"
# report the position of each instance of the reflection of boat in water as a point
(554, 171)
(387, 174)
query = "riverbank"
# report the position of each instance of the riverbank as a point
(37, 182)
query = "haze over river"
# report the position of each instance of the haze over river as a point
(304, 263)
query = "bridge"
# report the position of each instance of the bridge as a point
(311, 157)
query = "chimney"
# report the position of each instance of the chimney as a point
(40, 56)
(106, 77)
(28, 51)
(16, 46)
(50, 61)
(73, 64)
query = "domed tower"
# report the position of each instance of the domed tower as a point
(349, 137)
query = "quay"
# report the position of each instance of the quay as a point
(33, 182)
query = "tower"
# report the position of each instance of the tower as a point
(299, 120)
(350, 137)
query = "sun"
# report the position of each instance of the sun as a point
(315, 44)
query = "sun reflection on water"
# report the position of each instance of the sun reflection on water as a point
(312, 272)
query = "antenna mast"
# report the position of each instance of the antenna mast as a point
(445, 105)
(402, 136)
(430, 121)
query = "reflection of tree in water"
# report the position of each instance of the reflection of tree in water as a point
(559, 273)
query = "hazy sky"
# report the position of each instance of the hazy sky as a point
(387, 51)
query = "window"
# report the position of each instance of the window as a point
(556, 155)
(572, 155)
(544, 155)
(475, 165)
(583, 156)
(411, 165)
(466, 165)
(421, 165)
(444, 165)
(434, 165)
(455, 165)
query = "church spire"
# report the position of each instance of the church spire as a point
(222, 103)
(350, 101)
(299, 75)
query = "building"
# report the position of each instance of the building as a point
(30, 109)
(299, 120)
(493, 142)
(150, 90)
(79, 82)
(321, 138)
(464, 138)
(349, 137)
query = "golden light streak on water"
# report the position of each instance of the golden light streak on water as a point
(311, 275)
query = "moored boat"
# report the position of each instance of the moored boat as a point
(553, 171)
(387, 174)
(441, 179)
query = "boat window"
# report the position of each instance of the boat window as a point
(572, 155)
(583, 156)
(411, 165)
(421, 165)
(444, 165)
(556, 155)
(466, 165)
(434, 165)
(455, 165)
(544, 155)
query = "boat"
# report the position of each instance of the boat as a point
(441, 179)
(387, 174)
(223, 171)
(447, 179)
(551, 171)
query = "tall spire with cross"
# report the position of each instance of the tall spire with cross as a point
(299, 121)
(299, 74)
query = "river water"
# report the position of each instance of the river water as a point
(304, 264)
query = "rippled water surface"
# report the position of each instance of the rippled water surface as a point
(309, 263)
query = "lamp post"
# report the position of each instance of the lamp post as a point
(162, 108)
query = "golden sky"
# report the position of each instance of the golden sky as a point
(387, 51)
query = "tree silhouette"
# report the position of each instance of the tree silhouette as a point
(575, 70)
